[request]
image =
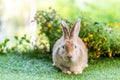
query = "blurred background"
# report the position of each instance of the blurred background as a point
(17, 16)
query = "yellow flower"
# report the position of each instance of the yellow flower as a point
(119, 24)
(98, 49)
(100, 42)
(58, 30)
(40, 16)
(98, 56)
(110, 54)
(110, 24)
(109, 50)
(105, 38)
(49, 25)
(85, 39)
(91, 35)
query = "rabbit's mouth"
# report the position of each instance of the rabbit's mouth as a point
(68, 60)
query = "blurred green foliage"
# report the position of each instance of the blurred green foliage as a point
(101, 10)
(99, 31)
(48, 23)
(3, 48)
(104, 10)
(98, 37)
(22, 45)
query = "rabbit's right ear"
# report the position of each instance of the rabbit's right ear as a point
(65, 30)
(75, 30)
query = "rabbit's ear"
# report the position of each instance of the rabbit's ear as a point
(76, 29)
(65, 30)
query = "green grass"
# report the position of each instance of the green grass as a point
(18, 67)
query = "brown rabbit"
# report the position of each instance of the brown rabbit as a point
(69, 52)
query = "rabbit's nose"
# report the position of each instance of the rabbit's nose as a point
(69, 56)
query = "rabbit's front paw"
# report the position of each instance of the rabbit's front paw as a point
(77, 72)
(66, 72)
(86, 65)
(53, 64)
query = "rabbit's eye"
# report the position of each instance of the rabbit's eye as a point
(75, 46)
(63, 46)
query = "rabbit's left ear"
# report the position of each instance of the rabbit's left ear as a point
(65, 30)
(76, 29)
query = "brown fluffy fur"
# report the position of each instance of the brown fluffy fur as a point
(69, 52)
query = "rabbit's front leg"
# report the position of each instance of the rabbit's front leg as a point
(77, 70)
(65, 69)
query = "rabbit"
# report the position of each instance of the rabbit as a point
(69, 52)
